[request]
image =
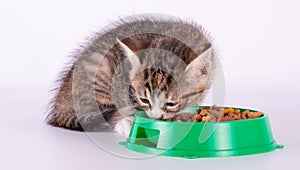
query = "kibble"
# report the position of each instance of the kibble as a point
(216, 114)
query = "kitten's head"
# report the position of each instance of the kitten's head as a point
(166, 86)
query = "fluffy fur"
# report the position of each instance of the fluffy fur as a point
(157, 64)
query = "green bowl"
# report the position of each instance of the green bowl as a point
(198, 139)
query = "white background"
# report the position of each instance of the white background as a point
(258, 44)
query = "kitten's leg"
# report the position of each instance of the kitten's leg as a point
(123, 126)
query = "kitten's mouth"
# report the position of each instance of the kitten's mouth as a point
(159, 118)
(164, 117)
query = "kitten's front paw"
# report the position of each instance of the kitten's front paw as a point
(123, 126)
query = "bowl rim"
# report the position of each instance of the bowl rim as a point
(142, 115)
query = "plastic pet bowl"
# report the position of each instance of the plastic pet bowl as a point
(198, 139)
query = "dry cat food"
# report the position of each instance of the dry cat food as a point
(216, 114)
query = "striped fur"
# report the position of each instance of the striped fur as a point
(172, 74)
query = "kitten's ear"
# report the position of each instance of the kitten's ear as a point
(134, 60)
(201, 65)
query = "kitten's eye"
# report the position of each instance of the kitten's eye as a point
(146, 101)
(171, 104)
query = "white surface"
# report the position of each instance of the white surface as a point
(258, 43)
(27, 143)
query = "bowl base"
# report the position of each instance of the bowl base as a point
(192, 154)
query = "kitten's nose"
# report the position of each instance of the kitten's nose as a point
(156, 116)
(156, 113)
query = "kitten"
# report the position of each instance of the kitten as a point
(160, 65)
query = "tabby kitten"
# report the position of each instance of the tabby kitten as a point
(157, 64)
